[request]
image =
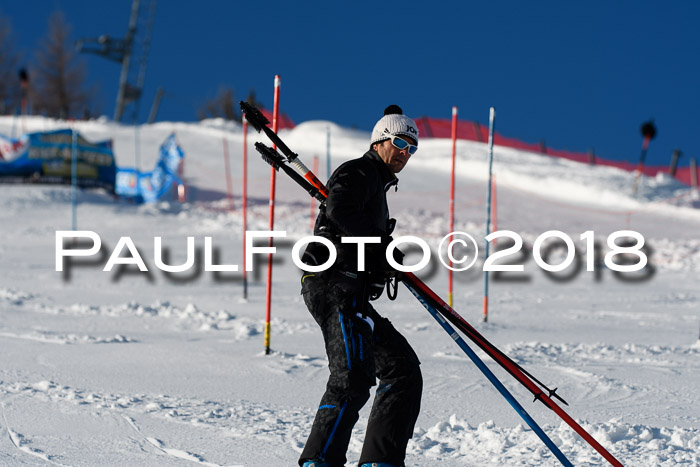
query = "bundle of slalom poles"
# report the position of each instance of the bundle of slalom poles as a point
(445, 315)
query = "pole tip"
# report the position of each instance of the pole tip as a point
(454, 110)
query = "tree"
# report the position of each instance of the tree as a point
(222, 106)
(60, 76)
(9, 83)
(253, 100)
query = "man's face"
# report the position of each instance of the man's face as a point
(392, 156)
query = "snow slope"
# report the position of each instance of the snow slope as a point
(130, 368)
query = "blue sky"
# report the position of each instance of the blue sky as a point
(578, 75)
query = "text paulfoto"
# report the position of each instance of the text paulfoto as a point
(459, 248)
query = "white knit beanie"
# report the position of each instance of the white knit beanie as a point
(394, 123)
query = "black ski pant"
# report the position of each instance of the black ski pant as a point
(361, 346)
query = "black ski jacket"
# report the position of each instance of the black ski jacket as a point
(356, 207)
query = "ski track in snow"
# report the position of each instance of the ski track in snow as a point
(62, 339)
(287, 363)
(161, 447)
(189, 317)
(638, 354)
(22, 443)
(235, 420)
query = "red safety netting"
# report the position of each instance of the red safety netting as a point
(284, 120)
(474, 131)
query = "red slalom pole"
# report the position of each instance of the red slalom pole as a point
(313, 200)
(273, 179)
(452, 200)
(245, 202)
(228, 176)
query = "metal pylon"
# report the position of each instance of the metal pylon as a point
(131, 52)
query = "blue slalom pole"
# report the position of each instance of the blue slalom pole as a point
(74, 180)
(492, 118)
(491, 377)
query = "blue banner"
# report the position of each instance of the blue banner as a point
(148, 187)
(45, 157)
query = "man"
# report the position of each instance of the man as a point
(362, 345)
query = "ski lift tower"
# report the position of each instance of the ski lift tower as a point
(131, 52)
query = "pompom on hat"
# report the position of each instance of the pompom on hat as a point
(394, 123)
